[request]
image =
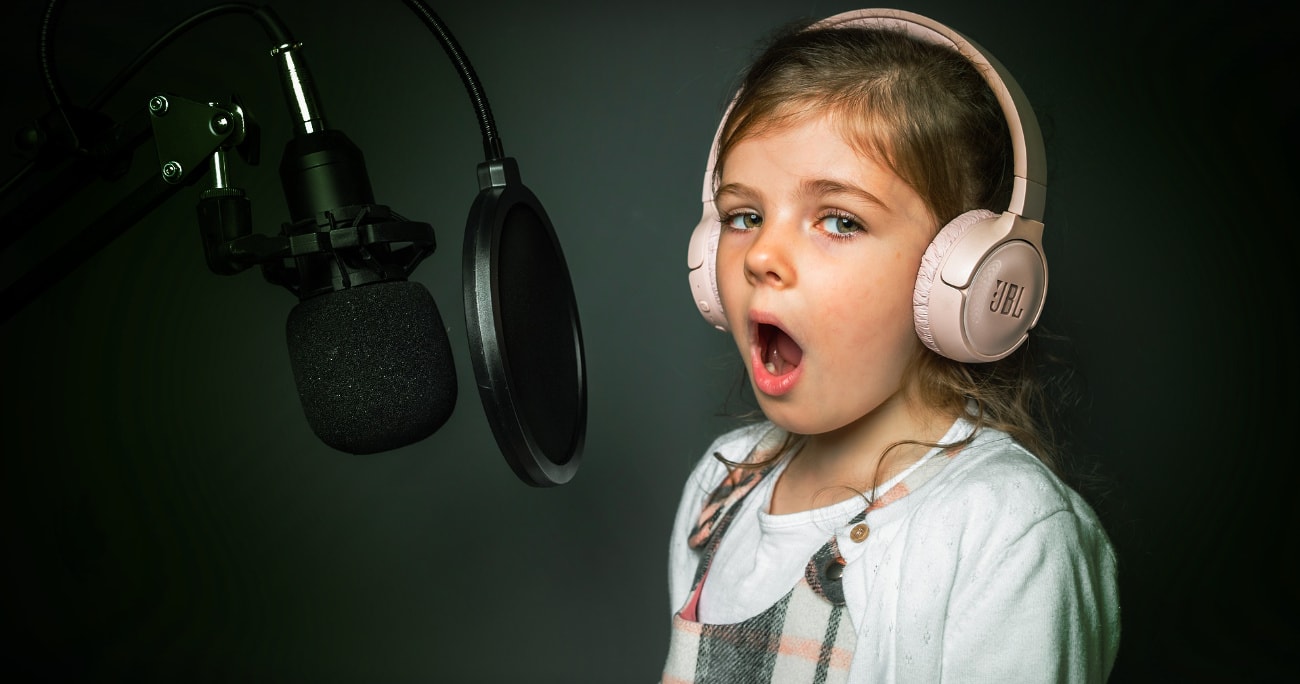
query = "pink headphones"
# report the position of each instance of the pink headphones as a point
(983, 278)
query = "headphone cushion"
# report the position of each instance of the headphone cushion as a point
(931, 263)
(702, 260)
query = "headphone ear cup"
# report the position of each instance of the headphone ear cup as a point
(931, 262)
(702, 260)
(980, 287)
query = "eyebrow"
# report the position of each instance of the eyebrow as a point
(814, 188)
(737, 190)
(821, 187)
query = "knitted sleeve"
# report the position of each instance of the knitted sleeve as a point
(1041, 609)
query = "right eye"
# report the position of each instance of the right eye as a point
(743, 221)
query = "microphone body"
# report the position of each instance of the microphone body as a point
(370, 355)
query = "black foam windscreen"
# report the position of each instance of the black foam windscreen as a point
(373, 366)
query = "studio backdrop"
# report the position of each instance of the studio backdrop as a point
(181, 501)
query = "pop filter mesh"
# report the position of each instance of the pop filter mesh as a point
(535, 299)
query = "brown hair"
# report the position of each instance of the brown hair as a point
(926, 113)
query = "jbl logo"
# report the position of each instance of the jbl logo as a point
(1006, 299)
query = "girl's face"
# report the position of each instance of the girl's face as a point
(816, 265)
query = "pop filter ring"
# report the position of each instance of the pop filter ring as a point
(545, 452)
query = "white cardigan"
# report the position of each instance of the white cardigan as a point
(991, 571)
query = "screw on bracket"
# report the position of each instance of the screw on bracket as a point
(220, 124)
(158, 105)
(171, 171)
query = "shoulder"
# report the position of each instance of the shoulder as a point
(992, 567)
(995, 494)
(995, 472)
(993, 550)
(734, 446)
(1018, 554)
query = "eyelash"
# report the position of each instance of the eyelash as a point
(836, 213)
(727, 220)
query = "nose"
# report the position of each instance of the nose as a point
(769, 258)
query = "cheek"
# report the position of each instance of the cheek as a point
(874, 313)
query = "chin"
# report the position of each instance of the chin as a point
(799, 420)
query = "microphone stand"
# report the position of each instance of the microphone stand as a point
(534, 394)
(85, 144)
(187, 132)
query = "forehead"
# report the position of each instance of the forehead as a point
(854, 126)
(811, 147)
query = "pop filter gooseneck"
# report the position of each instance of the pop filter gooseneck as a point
(520, 310)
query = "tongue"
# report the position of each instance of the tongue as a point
(783, 354)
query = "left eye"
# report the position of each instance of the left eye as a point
(840, 225)
(744, 221)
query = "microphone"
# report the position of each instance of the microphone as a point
(373, 366)
(370, 356)
(369, 352)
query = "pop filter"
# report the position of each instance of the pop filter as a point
(524, 336)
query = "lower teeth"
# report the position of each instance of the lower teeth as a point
(774, 361)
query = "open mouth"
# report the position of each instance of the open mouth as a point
(778, 352)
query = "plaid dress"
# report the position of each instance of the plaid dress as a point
(806, 636)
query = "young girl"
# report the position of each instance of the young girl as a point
(872, 244)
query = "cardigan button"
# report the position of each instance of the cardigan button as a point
(859, 532)
(835, 569)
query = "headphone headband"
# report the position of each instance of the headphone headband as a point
(1029, 157)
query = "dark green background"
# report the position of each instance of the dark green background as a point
(167, 515)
